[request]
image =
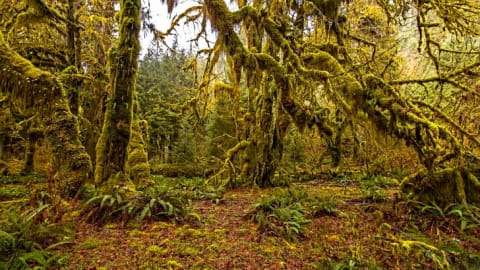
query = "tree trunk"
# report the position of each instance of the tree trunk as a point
(444, 186)
(112, 146)
(138, 167)
(263, 155)
(39, 91)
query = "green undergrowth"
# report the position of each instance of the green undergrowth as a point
(28, 239)
(156, 203)
(304, 226)
(10, 192)
(464, 218)
(168, 199)
(194, 188)
(22, 179)
(285, 212)
(433, 250)
(324, 224)
(19, 186)
(374, 187)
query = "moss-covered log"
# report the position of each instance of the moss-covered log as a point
(181, 170)
(39, 91)
(112, 147)
(444, 187)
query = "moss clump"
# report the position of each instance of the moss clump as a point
(446, 186)
(92, 243)
(137, 164)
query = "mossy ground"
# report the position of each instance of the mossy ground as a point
(367, 235)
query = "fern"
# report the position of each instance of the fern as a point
(282, 213)
(28, 241)
(159, 203)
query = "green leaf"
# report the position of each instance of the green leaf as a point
(105, 198)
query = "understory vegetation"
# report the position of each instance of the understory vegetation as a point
(185, 223)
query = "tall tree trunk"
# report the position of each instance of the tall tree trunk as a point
(112, 147)
(265, 150)
(39, 90)
(265, 121)
(74, 53)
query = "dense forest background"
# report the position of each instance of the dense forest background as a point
(292, 97)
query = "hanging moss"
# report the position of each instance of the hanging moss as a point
(271, 54)
(40, 92)
(434, 143)
(329, 8)
(273, 96)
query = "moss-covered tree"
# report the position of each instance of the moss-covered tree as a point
(69, 40)
(39, 90)
(279, 48)
(120, 131)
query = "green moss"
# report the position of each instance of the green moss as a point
(137, 163)
(7, 243)
(92, 243)
(20, 78)
(190, 251)
(444, 187)
(119, 126)
(155, 250)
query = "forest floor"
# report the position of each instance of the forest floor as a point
(361, 233)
